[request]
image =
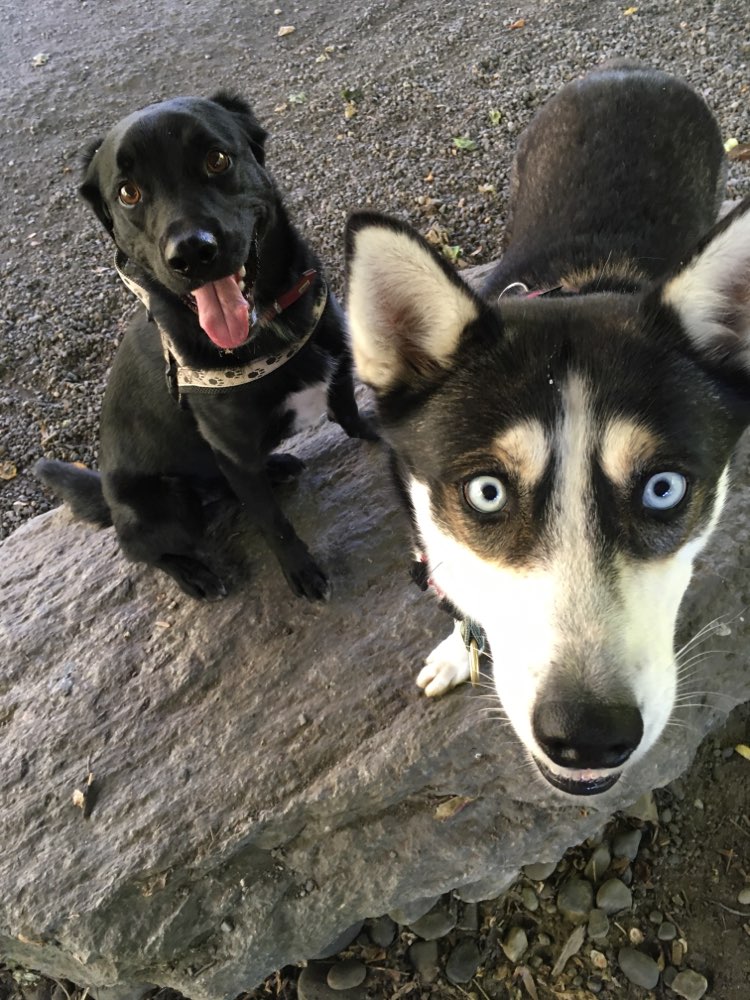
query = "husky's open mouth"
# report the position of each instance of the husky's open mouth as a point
(585, 784)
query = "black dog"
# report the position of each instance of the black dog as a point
(236, 309)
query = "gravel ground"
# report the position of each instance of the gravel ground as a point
(364, 102)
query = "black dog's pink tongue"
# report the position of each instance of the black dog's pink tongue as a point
(223, 313)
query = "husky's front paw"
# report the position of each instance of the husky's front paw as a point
(446, 667)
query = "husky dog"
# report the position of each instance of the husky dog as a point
(563, 441)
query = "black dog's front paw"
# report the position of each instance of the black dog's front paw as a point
(358, 426)
(283, 468)
(195, 578)
(305, 577)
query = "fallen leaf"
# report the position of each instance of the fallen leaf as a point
(570, 948)
(496, 116)
(40, 59)
(453, 806)
(464, 142)
(299, 98)
(286, 29)
(743, 750)
(740, 152)
(630, 10)
(350, 109)
(520, 23)
(522, 972)
(8, 470)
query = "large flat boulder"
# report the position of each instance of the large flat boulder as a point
(265, 771)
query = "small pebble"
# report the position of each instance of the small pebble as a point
(689, 985)
(529, 898)
(469, 918)
(435, 924)
(423, 955)
(598, 864)
(655, 916)
(539, 871)
(743, 896)
(515, 944)
(463, 962)
(638, 968)
(346, 974)
(614, 896)
(666, 931)
(575, 900)
(598, 925)
(383, 931)
(594, 984)
(626, 844)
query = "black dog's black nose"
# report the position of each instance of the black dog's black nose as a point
(587, 735)
(189, 252)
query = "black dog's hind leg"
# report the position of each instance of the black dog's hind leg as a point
(160, 521)
(342, 406)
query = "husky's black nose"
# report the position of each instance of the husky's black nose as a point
(188, 251)
(587, 735)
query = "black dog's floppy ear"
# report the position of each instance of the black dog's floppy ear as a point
(90, 190)
(254, 131)
(407, 308)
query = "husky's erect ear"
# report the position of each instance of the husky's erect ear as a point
(407, 308)
(711, 294)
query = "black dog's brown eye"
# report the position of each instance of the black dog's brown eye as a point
(217, 162)
(129, 193)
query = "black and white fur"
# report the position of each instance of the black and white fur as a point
(182, 188)
(565, 456)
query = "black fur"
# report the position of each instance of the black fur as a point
(160, 460)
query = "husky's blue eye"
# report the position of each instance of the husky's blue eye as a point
(485, 494)
(664, 490)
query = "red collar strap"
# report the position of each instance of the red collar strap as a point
(298, 289)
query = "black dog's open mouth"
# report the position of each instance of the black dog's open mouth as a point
(225, 309)
(578, 786)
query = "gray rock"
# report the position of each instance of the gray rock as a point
(341, 941)
(613, 896)
(212, 803)
(463, 961)
(598, 926)
(423, 956)
(515, 944)
(575, 899)
(435, 924)
(626, 844)
(408, 912)
(743, 896)
(346, 974)
(639, 968)
(689, 984)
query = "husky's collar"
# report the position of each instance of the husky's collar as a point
(473, 635)
(518, 289)
(184, 378)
